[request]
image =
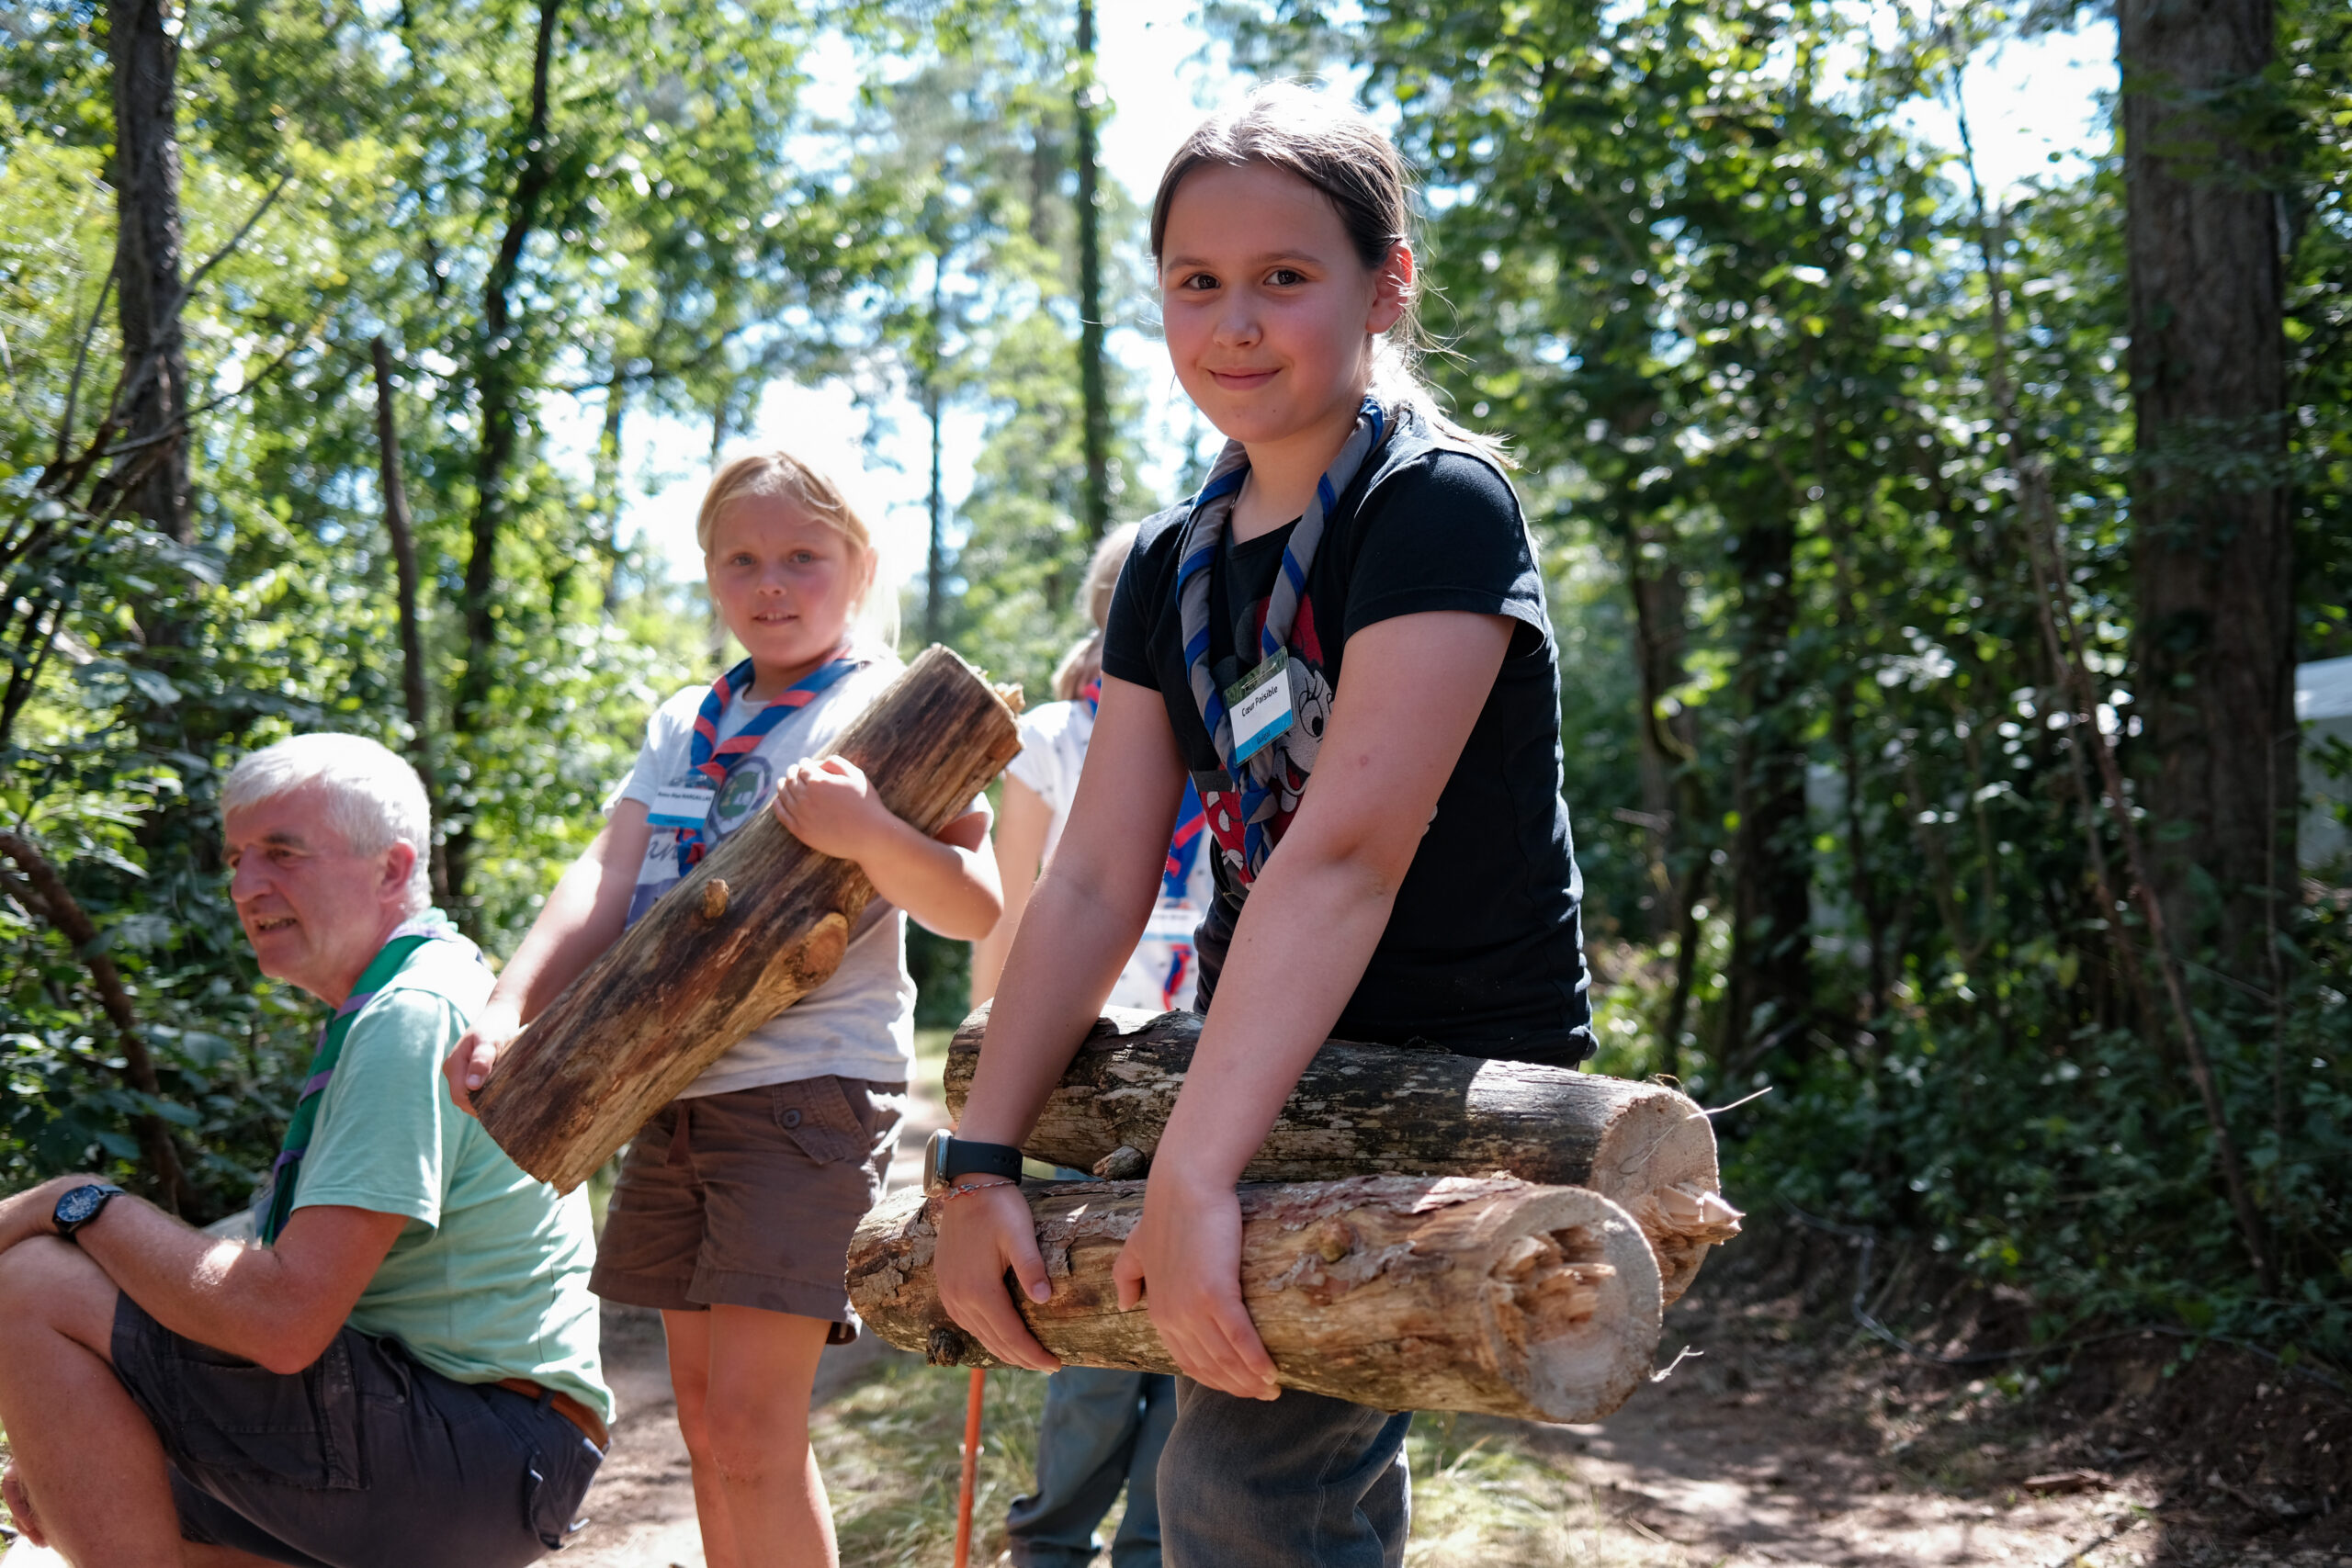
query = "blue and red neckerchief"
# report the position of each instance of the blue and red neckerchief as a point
(1203, 541)
(715, 760)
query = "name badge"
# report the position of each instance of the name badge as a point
(1259, 704)
(684, 803)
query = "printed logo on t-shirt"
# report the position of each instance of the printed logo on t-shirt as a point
(745, 791)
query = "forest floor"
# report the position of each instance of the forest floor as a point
(1787, 1439)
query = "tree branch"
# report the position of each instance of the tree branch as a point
(66, 915)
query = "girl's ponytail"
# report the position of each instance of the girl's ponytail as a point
(1337, 149)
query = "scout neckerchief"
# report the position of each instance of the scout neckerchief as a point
(715, 759)
(1256, 772)
(1176, 875)
(390, 960)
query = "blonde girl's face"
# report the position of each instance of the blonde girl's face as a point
(785, 582)
(1269, 314)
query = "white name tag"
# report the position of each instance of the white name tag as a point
(684, 803)
(1259, 704)
(1172, 920)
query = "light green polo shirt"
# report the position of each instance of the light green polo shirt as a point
(489, 1279)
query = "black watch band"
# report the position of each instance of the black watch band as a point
(81, 1205)
(951, 1156)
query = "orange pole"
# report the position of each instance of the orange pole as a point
(964, 1498)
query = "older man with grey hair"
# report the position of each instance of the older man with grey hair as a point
(402, 1369)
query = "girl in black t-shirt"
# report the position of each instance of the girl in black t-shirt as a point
(1343, 642)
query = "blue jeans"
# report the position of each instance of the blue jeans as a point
(1102, 1428)
(1300, 1482)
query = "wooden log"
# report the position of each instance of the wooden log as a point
(1362, 1109)
(1479, 1294)
(759, 924)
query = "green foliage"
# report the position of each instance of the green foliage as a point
(1740, 323)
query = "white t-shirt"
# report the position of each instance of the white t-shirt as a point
(860, 1022)
(1163, 970)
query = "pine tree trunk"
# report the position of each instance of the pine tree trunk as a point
(154, 475)
(1365, 1110)
(1481, 1295)
(759, 924)
(1093, 383)
(2212, 537)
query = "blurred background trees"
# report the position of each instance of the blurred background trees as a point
(1930, 563)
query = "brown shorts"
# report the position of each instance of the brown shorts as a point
(748, 1198)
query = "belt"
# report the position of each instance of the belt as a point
(591, 1425)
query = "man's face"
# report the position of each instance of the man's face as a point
(315, 912)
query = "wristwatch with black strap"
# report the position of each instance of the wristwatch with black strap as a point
(81, 1205)
(947, 1156)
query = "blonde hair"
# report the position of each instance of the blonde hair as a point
(825, 494)
(1083, 662)
(1332, 145)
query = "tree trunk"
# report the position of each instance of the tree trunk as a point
(1769, 1003)
(147, 270)
(497, 384)
(396, 524)
(2212, 539)
(1482, 1294)
(936, 560)
(1366, 1109)
(608, 481)
(759, 924)
(1093, 384)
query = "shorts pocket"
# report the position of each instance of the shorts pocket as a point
(817, 1115)
(299, 1429)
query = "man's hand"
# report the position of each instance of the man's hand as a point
(1187, 1250)
(33, 1211)
(829, 805)
(20, 1507)
(467, 1066)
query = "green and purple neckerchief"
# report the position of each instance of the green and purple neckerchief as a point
(381, 971)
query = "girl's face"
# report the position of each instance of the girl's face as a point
(785, 582)
(1270, 315)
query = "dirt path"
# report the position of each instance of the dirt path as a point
(1781, 1444)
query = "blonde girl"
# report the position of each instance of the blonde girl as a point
(1343, 642)
(736, 1202)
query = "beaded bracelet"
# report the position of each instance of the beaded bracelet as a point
(950, 1193)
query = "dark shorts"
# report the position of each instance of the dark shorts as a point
(749, 1198)
(367, 1459)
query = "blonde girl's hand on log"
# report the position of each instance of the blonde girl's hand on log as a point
(982, 1233)
(1183, 1262)
(949, 883)
(470, 1062)
(830, 804)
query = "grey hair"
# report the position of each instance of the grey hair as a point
(373, 797)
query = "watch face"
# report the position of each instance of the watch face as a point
(80, 1204)
(934, 1161)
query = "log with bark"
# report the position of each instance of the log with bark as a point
(1417, 1111)
(1476, 1293)
(759, 924)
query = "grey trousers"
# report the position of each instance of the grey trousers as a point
(1299, 1481)
(1102, 1429)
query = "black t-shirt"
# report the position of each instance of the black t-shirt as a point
(1484, 953)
